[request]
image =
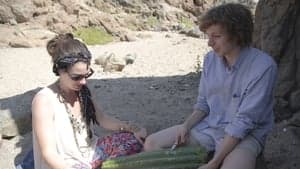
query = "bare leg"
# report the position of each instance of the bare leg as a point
(239, 158)
(161, 139)
(243, 156)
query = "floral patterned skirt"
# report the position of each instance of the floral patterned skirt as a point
(115, 145)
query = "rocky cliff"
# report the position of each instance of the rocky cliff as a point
(31, 23)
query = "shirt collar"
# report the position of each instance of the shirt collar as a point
(239, 60)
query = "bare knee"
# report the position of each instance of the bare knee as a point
(151, 144)
(239, 158)
(161, 139)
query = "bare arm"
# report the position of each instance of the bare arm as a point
(183, 129)
(43, 125)
(112, 123)
(194, 118)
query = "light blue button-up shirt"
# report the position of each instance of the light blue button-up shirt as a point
(239, 99)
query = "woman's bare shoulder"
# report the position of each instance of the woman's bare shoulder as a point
(43, 100)
(46, 92)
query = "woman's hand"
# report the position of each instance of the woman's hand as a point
(140, 135)
(139, 132)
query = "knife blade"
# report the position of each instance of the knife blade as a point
(173, 146)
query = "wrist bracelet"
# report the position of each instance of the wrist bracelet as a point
(130, 128)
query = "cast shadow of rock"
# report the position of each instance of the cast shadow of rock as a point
(15, 115)
(152, 102)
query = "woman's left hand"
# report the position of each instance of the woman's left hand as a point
(141, 135)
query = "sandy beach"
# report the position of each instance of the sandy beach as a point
(157, 91)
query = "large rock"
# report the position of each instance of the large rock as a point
(40, 3)
(70, 6)
(110, 24)
(15, 114)
(192, 6)
(5, 12)
(6, 34)
(276, 32)
(30, 37)
(23, 10)
(116, 17)
(111, 62)
(189, 5)
(197, 7)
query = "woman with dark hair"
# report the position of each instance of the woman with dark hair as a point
(63, 115)
(233, 112)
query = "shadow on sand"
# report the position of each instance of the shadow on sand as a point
(153, 102)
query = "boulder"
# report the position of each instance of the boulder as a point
(276, 32)
(111, 62)
(20, 43)
(22, 10)
(5, 12)
(15, 114)
(40, 3)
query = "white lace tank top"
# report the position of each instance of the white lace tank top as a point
(71, 150)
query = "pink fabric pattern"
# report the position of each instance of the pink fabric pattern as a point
(115, 145)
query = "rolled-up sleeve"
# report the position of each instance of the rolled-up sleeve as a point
(201, 103)
(256, 106)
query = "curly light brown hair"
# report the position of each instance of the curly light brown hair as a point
(235, 18)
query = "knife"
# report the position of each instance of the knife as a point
(174, 146)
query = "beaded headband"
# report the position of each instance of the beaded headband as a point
(63, 62)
